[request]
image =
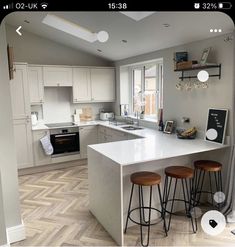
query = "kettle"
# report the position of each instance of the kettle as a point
(34, 118)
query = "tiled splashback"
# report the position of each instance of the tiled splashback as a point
(58, 106)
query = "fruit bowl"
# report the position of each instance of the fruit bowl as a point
(190, 135)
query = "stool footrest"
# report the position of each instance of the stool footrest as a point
(145, 223)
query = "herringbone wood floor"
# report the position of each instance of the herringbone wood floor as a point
(54, 208)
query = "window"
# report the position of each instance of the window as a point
(147, 89)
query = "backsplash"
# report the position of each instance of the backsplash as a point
(58, 106)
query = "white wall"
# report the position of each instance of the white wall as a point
(195, 104)
(34, 49)
(8, 166)
(58, 106)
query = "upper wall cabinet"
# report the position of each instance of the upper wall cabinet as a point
(81, 85)
(57, 76)
(103, 84)
(93, 85)
(35, 80)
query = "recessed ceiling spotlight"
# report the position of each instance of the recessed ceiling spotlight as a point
(26, 21)
(124, 41)
(166, 25)
(99, 50)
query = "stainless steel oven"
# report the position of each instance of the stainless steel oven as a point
(65, 140)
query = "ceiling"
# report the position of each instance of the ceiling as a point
(148, 34)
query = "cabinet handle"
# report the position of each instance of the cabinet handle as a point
(41, 100)
(58, 84)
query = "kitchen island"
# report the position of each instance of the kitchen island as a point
(110, 166)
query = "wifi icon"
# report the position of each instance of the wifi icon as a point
(44, 5)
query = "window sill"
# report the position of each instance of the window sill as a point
(146, 119)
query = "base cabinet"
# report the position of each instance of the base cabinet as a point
(23, 143)
(88, 136)
(40, 158)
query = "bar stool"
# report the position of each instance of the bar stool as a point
(185, 175)
(145, 179)
(201, 168)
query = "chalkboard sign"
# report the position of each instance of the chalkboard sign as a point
(216, 125)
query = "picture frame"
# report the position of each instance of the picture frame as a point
(204, 56)
(10, 57)
(168, 128)
(216, 125)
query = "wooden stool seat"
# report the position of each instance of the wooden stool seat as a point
(208, 165)
(145, 178)
(179, 172)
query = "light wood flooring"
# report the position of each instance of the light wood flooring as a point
(54, 207)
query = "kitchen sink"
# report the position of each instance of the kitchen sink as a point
(131, 127)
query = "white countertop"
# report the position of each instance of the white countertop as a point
(155, 146)
(42, 126)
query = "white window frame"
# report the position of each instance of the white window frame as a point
(159, 86)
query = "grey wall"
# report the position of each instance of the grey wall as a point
(34, 49)
(3, 238)
(193, 104)
(8, 166)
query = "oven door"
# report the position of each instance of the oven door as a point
(65, 143)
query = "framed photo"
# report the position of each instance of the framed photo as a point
(205, 56)
(216, 125)
(168, 127)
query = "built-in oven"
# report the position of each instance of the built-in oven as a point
(65, 141)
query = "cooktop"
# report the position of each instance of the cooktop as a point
(55, 125)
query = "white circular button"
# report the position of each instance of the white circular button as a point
(202, 76)
(219, 197)
(211, 134)
(102, 36)
(213, 222)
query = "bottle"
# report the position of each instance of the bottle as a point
(160, 122)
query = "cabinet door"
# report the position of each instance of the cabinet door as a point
(23, 143)
(38, 153)
(20, 93)
(103, 84)
(35, 81)
(88, 136)
(54, 76)
(81, 85)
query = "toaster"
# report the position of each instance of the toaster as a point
(106, 116)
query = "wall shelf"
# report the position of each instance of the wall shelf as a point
(182, 77)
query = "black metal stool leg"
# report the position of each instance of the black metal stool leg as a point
(200, 191)
(165, 201)
(149, 219)
(211, 192)
(142, 200)
(129, 207)
(185, 203)
(162, 208)
(189, 214)
(172, 205)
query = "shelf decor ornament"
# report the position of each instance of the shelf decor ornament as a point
(204, 57)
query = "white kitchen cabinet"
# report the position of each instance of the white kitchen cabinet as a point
(57, 76)
(20, 93)
(88, 136)
(81, 85)
(21, 116)
(110, 135)
(103, 84)
(93, 84)
(40, 158)
(35, 80)
(23, 142)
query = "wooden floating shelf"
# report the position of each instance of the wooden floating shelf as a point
(182, 77)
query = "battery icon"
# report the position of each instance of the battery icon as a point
(225, 5)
